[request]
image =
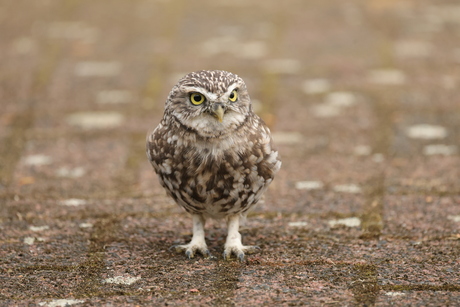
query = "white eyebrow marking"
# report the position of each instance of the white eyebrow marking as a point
(230, 90)
(210, 96)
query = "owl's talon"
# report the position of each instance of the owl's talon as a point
(239, 251)
(228, 255)
(191, 250)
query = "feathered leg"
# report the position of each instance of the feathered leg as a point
(233, 243)
(198, 243)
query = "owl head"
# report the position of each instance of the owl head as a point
(211, 103)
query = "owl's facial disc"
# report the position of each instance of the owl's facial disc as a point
(212, 111)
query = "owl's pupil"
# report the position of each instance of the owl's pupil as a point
(197, 97)
(232, 95)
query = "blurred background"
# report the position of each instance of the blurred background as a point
(82, 82)
(363, 101)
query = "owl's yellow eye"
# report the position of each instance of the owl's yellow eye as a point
(233, 96)
(196, 98)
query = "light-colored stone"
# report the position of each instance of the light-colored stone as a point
(65, 172)
(362, 150)
(95, 120)
(394, 294)
(29, 240)
(341, 99)
(61, 303)
(73, 202)
(455, 218)
(38, 160)
(121, 280)
(349, 222)
(85, 225)
(440, 149)
(38, 228)
(309, 185)
(347, 188)
(287, 137)
(297, 224)
(425, 131)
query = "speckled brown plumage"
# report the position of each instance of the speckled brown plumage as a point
(214, 158)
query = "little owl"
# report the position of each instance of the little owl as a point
(213, 155)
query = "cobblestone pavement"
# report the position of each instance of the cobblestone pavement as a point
(363, 101)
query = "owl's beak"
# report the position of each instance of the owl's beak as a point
(218, 111)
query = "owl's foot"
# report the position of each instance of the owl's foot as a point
(192, 248)
(233, 243)
(239, 250)
(198, 243)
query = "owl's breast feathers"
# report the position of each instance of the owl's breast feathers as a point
(214, 176)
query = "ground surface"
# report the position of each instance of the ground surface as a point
(362, 98)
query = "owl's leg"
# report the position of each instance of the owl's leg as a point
(198, 243)
(233, 243)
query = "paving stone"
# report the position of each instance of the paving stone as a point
(298, 285)
(71, 154)
(424, 131)
(364, 211)
(309, 185)
(287, 137)
(349, 222)
(92, 120)
(445, 298)
(24, 285)
(408, 266)
(426, 175)
(421, 217)
(440, 149)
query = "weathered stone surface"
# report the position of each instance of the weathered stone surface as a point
(362, 100)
